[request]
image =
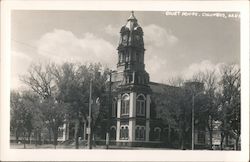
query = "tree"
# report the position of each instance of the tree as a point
(22, 111)
(230, 103)
(73, 81)
(210, 104)
(15, 107)
(168, 109)
(42, 82)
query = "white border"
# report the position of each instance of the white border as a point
(120, 155)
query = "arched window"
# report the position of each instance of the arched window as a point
(114, 107)
(125, 105)
(124, 132)
(140, 105)
(137, 133)
(157, 133)
(140, 133)
(121, 132)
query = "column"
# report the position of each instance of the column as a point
(147, 130)
(118, 118)
(118, 130)
(131, 128)
(148, 117)
(132, 114)
(132, 106)
(119, 106)
(148, 106)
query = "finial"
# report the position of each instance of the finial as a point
(132, 16)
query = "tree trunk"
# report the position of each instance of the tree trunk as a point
(49, 134)
(210, 129)
(210, 138)
(226, 140)
(39, 137)
(237, 142)
(36, 134)
(55, 133)
(222, 140)
(29, 134)
(84, 130)
(76, 134)
(169, 133)
(24, 140)
(181, 140)
(17, 136)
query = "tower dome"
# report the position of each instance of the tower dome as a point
(131, 24)
(131, 33)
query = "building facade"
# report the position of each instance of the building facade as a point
(131, 101)
(136, 101)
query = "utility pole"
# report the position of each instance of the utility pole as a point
(193, 124)
(89, 126)
(109, 108)
(193, 121)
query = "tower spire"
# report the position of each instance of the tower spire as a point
(132, 16)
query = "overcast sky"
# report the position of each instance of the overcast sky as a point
(175, 45)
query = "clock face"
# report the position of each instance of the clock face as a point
(125, 38)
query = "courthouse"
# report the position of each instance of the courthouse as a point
(134, 119)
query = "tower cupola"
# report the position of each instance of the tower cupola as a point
(131, 33)
(131, 53)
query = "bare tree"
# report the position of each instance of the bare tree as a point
(210, 104)
(177, 81)
(230, 103)
(41, 81)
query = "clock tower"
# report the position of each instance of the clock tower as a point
(133, 91)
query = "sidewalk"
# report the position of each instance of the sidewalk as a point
(70, 146)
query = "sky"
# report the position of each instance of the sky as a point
(175, 45)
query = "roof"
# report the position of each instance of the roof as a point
(161, 88)
(132, 22)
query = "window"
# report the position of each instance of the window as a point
(126, 57)
(124, 132)
(130, 78)
(140, 105)
(140, 133)
(137, 133)
(120, 57)
(125, 105)
(113, 133)
(114, 107)
(201, 137)
(157, 133)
